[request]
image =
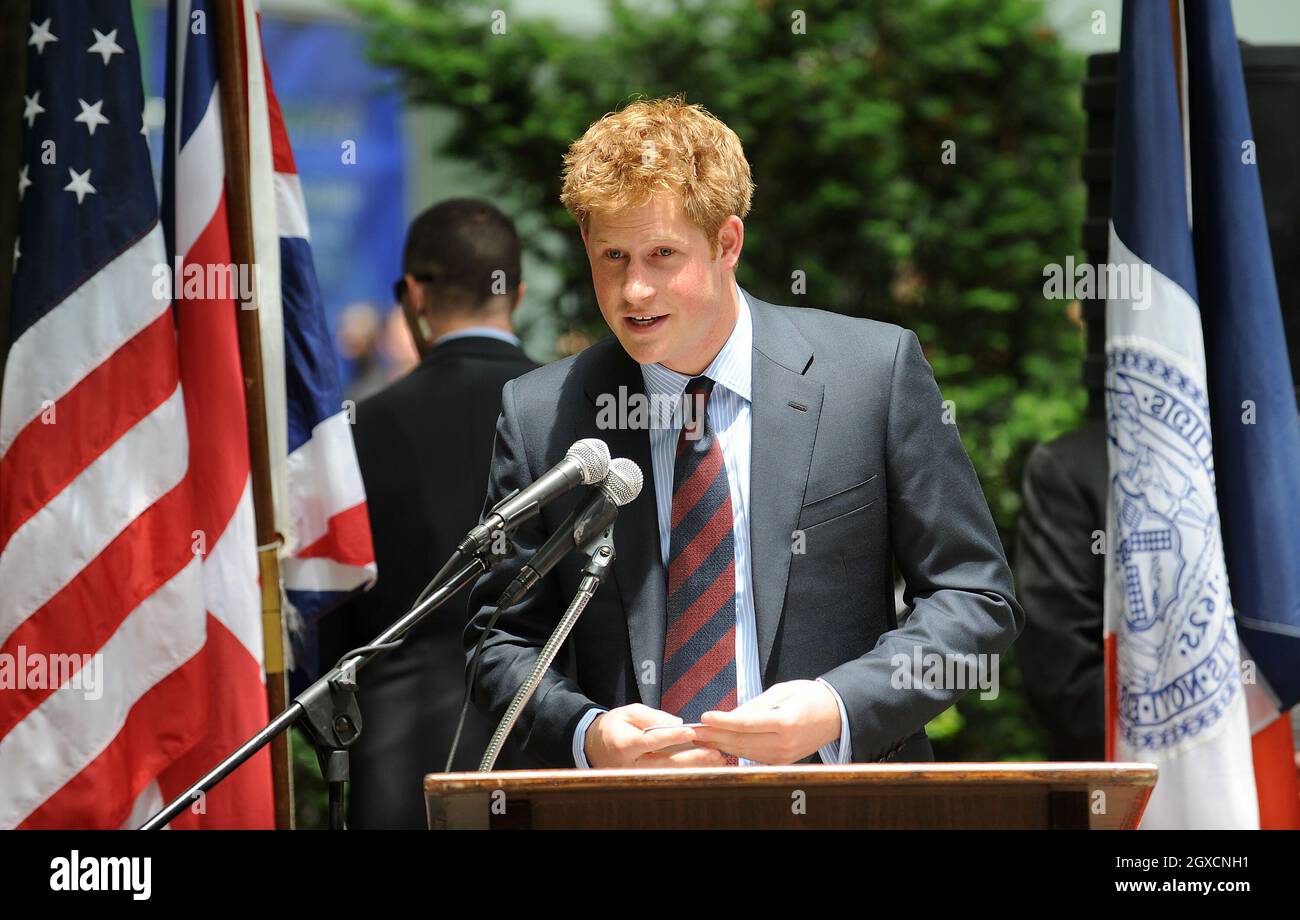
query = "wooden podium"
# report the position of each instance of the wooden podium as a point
(856, 796)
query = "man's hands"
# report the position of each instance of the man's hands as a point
(617, 739)
(783, 725)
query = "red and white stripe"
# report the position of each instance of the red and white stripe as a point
(220, 470)
(130, 534)
(95, 522)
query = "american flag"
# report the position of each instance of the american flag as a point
(130, 617)
(97, 496)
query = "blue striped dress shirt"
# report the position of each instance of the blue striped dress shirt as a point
(729, 412)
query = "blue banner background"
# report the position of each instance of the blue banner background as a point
(331, 94)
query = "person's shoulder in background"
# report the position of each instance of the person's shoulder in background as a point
(1077, 458)
(1060, 577)
(468, 363)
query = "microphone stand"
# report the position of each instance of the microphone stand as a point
(328, 708)
(600, 560)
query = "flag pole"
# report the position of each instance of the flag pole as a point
(1176, 31)
(1180, 81)
(232, 70)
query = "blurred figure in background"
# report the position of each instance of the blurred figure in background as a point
(1061, 581)
(396, 345)
(358, 344)
(424, 444)
(377, 351)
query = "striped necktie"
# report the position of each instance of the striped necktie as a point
(700, 643)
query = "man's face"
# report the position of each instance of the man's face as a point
(653, 262)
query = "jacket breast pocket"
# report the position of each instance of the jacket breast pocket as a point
(838, 504)
(828, 619)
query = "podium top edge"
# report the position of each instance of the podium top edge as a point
(1095, 773)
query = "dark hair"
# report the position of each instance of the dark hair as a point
(458, 246)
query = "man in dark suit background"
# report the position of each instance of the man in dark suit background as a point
(424, 446)
(752, 589)
(1061, 577)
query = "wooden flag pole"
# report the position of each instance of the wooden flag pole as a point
(1176, 30)
(231, 71)
(1180, 82)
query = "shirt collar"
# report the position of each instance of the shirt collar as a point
(731, 368)
(491, 332)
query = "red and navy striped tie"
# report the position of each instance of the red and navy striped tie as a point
(700, 644)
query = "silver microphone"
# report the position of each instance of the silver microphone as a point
(585, 463)
(621, 485)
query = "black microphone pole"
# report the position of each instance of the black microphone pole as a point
(329, 706)
(328, 709)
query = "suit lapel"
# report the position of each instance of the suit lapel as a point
(638, 566)
(786, 409)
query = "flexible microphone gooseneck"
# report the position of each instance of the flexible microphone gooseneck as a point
(622, 484)
(598, 544)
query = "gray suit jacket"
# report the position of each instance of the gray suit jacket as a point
(849, 446)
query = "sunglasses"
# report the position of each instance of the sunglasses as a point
(399, 286)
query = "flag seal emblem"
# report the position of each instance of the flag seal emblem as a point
(1177, 680)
